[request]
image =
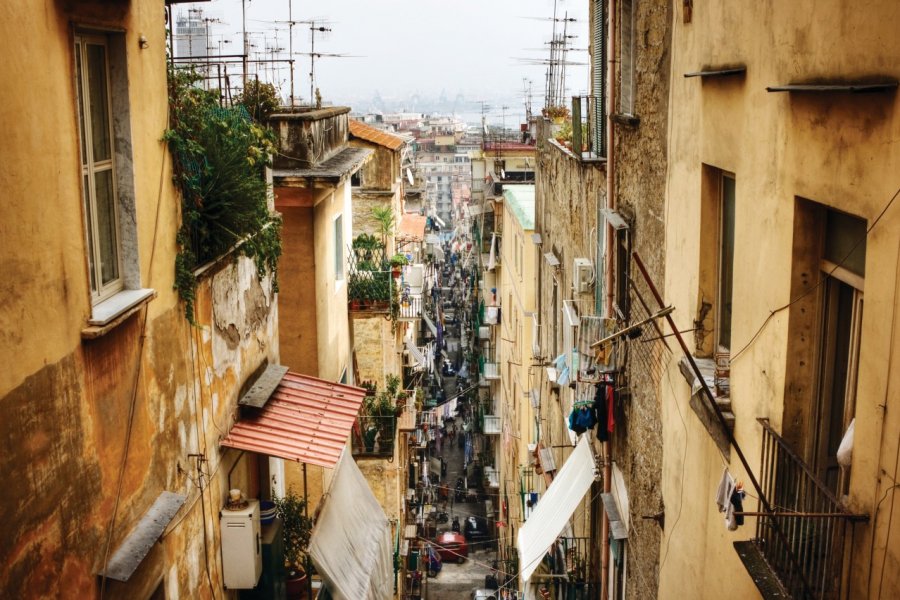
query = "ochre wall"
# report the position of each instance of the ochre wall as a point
(840, 150)
(69, 403)
(298, 320)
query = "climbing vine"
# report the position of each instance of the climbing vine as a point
(220, 155)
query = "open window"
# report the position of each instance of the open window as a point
(824, 334)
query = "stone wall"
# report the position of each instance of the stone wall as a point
(641, 160)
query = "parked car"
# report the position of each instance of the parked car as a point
(435, 564)
(476, 528)
(451, 547)
(484, 594)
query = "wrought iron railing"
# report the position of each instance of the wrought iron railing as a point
(370, 285)
(373, 436)
(570, 573)
(804, 539)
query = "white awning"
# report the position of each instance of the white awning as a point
(556, 507)
(431, 326)
(351, 542)
(415, 353)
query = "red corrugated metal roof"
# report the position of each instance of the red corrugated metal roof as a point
(306, 419)
(412, 226)
(376, 136)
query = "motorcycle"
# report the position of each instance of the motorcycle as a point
(455, 525)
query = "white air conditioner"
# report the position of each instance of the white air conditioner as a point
(582, 275)
(241, 546)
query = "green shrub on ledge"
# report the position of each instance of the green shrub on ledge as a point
(219, 155)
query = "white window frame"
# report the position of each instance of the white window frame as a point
(90, 168)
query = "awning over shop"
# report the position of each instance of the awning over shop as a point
(305, 419)
(350, 545)
(555, 508)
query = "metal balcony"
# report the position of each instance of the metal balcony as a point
(798, 551)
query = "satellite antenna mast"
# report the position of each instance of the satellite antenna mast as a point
(291, 45)
(312, 59)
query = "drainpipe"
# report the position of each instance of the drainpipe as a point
(610, 261)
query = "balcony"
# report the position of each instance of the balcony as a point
(373, 437)
(489, 367)
(798, 551)
(410, 307)
(491, 425)
(370, 284)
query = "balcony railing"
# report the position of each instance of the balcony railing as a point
(572, 576)
(373, 436)
(410, 307)
(803, 540)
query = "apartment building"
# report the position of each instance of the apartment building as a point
(781, 262)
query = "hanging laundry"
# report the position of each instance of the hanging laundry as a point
(737, 504)
(610, 407)
(601, 412)
(725, 492)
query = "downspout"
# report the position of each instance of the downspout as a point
(610, 261)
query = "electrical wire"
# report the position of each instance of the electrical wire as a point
(821, 280)
(137, 375)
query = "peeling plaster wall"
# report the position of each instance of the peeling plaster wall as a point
(67, 401)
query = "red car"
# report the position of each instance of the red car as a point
(451, 547)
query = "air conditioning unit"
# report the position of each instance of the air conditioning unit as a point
(582, 275)
(241, 546)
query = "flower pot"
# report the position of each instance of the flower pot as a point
(296, 587)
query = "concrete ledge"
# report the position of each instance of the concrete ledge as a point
(700, 404)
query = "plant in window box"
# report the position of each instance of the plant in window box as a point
(296, 529)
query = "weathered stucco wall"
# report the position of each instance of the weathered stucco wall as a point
(298, 322)
(839, 150)
(69, 422)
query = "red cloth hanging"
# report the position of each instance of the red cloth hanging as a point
(610, 404)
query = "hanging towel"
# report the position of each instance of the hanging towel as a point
(724, 492)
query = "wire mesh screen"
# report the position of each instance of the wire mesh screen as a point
(648, 353)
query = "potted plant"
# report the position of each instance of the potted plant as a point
(397, 261)
(296, 528)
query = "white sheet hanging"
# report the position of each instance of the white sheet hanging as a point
(351, 542)
(556, 507)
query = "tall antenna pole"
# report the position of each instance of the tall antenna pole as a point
(244, 33)
(291, 45)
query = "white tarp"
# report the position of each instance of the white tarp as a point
(415, 353)
(351, 542)
(556, 507)
(431, 326)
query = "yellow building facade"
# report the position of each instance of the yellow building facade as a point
(112, 400)
(516, 297)
(782, 263)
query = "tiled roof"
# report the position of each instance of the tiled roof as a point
(362, 131)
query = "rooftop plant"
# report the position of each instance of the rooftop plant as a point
(219, 156)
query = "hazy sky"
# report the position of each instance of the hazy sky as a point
(413, 46)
